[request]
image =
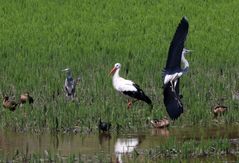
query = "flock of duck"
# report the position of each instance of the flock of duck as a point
(171, 77)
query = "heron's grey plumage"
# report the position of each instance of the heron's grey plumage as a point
(70, 84)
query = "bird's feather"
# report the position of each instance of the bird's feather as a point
(172, 101)
(124, 85)
(138, 94)
(177, 45)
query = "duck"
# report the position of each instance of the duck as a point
(219, 110)
(104, 126)
(163, 123)
(9, 104)
(25, 97)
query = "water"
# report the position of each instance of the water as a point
(113, 146)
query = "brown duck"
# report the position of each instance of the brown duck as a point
(219, 110)
(25, 97)
(9, 104)
(160, 123)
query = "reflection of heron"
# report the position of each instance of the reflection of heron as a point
(128, 87)
(125, 146)
(173, 71)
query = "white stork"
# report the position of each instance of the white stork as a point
(128, 87)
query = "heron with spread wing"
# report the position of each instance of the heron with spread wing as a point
(173, 71)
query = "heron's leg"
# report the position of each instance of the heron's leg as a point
(175, 83)
(172, 85)
(179, 103)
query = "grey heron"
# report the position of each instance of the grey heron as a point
(128, 87)
(70, 84)
(173, 71)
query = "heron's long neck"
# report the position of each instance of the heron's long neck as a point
(185, 62)
(69, 74)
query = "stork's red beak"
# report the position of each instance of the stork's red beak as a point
(112, 71)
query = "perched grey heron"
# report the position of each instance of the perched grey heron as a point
(173, 71)
(70, 84)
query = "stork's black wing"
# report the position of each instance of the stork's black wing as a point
(177, 45)
(139, 94)
(172, 101)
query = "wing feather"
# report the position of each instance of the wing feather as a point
(177, 45)
(172, 101)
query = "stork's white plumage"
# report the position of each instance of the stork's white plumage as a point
(128, 87)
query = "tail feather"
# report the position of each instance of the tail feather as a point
(142, 95)
(147, 99)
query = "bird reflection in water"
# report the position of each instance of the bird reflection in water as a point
(125, 146)
(104, 137)
(164, 132)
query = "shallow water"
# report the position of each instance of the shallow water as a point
(114, 145)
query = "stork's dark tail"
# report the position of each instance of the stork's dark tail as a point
(146, 99)
(142, 96)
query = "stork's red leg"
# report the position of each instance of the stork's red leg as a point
(129, 104)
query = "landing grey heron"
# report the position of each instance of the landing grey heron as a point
(173, 71)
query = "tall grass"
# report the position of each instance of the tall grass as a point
(39, 38)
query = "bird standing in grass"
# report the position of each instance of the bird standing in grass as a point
(160, 123)
(104, 126)
(173, 71)
(70, 84)
(9, 104)
(25, 97)
(219, 110)
(128, 87)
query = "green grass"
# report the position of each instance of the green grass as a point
(39, 38)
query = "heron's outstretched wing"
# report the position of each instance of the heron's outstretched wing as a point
(177, 45)
(172, 101)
